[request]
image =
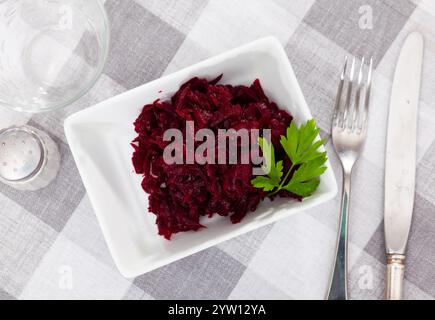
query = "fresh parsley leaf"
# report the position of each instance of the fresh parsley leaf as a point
(303, 189)
(305, 180)
(265, 183)
(303, 152)
(299, 143)
(290, 142)
(272, 169)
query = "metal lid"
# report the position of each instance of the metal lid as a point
(21, 154)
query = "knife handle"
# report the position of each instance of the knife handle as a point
(395, 276)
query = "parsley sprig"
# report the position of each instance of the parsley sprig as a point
(308, 163)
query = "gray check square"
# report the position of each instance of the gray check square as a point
(243, 248)
(24, 240)
(426, 175)
(420, 265)
(209, 274)
(142, 45)
(362, 27)
(317, 62)
(366, 279)
(182, 15)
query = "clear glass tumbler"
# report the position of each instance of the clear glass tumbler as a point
(51, 51)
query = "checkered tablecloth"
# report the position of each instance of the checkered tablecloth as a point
(52, 247)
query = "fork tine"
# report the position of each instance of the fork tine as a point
(338, 96)
(367, 95)
(356, 113)
(349, 93)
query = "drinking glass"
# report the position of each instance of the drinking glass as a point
(51, 51)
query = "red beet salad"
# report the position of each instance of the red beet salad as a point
(180, 194)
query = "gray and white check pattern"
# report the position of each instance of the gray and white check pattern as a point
(51, 245)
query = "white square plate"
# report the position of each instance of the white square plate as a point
(100, 136)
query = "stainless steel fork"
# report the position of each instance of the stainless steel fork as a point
(349, 129)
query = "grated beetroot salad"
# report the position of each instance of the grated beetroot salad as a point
(179, 194)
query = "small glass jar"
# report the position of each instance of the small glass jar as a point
(29, 158)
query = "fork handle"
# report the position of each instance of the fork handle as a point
(338, 286)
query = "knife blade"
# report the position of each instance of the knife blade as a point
(400, 160)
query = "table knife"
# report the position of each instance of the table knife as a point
(400, 161)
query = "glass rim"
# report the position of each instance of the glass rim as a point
(91, 84)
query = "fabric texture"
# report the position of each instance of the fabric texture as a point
(51, 245)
